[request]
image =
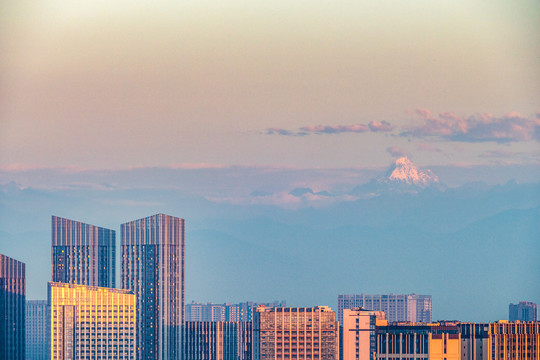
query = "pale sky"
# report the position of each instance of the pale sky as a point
(103, 84)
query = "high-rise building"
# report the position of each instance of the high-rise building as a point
(12, 308)
(153, 268)
(524, 311)
(83, 254)
(410, 341)
(295, 333)
(225, 312)
(411, 307)
(90, 323)
(358, 334)
(36, 330)
(217, 340)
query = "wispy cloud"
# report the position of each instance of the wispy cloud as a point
(373, 126)
(485, 127)
(377, 126)
(284, 132)
(335, 129)
(395, 151)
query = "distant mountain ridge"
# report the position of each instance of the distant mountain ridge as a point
(403, 176)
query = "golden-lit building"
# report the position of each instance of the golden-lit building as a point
(419, 341)
(501, 340)
(89, 322)
(295, 333)
(514, 340)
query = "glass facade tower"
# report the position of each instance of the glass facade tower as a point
(153, 268)
(12, 308)
(82, 254)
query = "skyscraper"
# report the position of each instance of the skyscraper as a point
(82, 253)
(396, 307)
(90, 323)
(524, 311)
(295, 333)
(153, 268)
(12, 308)
(36, 330)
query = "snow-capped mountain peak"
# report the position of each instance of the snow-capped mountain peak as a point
(405, 171)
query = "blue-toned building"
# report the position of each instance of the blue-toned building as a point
(12, 308)
(524, 311)
(83, 254)
(36, 330)
(217, 340)
(153, 268)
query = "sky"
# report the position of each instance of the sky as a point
(219, 112)
(95, 84)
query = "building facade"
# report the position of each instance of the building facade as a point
(36, 330)
(153, 268)
(83, 254)
(225, 312)
(400, 307)
(295, 333)
(514, 340)
(217, 340)
(524, 311)
(410, 341)
(475, 341)
(12, 308)
(90, 323)
(500, 340)
(358, 334)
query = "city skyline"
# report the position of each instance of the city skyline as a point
(95, 322)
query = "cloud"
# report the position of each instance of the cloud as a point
(335, 129)
(373, 126)
(285, 199)
(395, 151)
(376, 126)
(511, 127)
(284, 132)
